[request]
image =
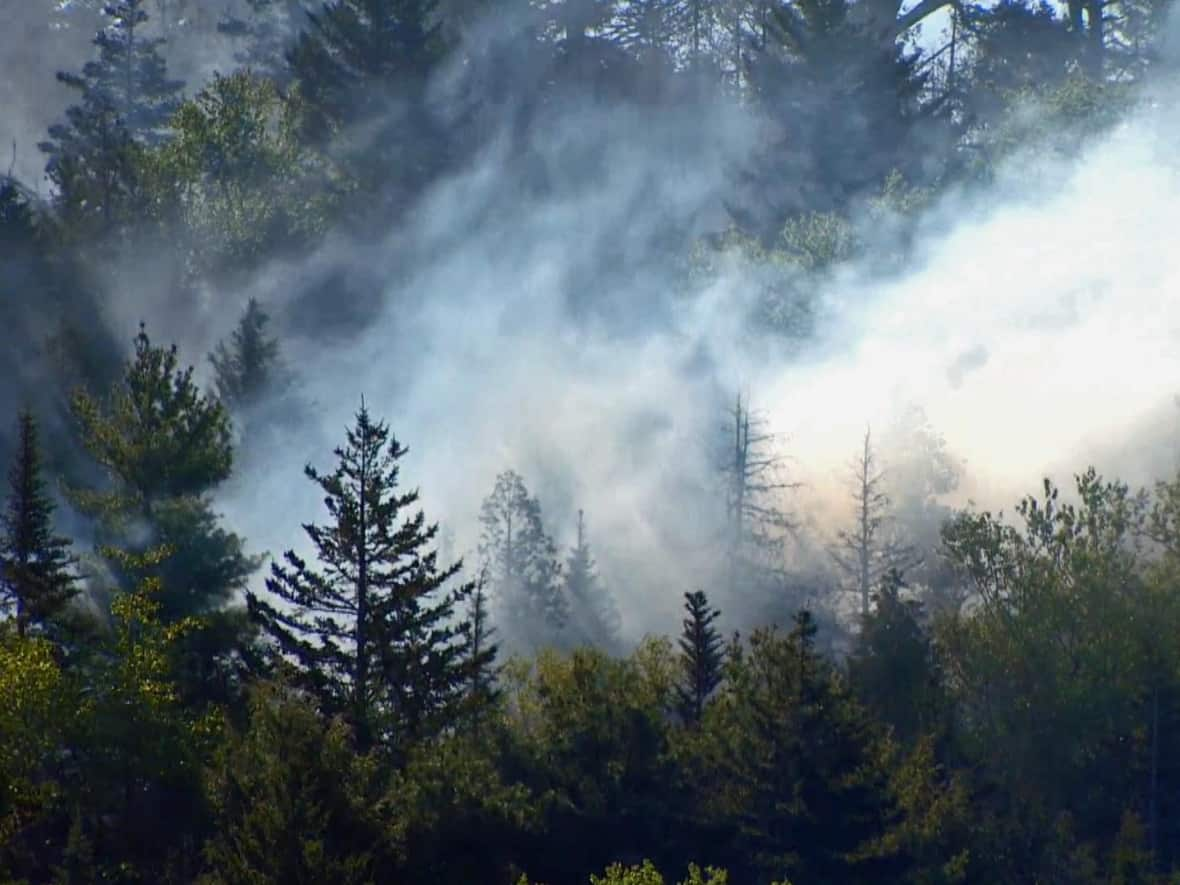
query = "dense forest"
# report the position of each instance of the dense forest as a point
(539, 441)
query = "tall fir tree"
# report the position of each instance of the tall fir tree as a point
(36, 581)
(522, 566)
(372, 634)
(593, 616)
(702, 657)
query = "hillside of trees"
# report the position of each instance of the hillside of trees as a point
(924, 695)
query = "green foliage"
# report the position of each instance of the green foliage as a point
(291, 800)
(452, 815)
(372, 634)
(35, 564)
(245, 367)
(702, 657)
(794, 765)
(593, 616)
(893, 669)
(592, 738)
(520, 561)
(157, 436)
(235, 183)
(37, 703)
(164, 446)
(126, 100)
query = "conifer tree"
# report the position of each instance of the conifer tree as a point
(810, 796)
(702, 657)
(165, 447)
(246, 365)
(362, 67)
(126, 99)
(35, 578)
(372, 632)
(354, 52)
(893, 668)
(522, 566)
(481, 650)
(593, 616)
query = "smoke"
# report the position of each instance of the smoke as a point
(1036, 325)
(555, 330)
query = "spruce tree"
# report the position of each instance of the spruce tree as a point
(246, 365)
(35, 564)
(593, 616)
(702, 657)
(522, 566)
(372, 633)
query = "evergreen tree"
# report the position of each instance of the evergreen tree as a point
(355, 53)
(702, 656)
(372, 634)
(245, 367)
(35, 577)
(522, 566)
(893, 668)
(126, 101)
(291, 799)
(593, 617)
(363, 66)
(481, 651)
(165, 447)
(844, 105)
(808, 795)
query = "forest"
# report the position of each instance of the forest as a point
(589, 441)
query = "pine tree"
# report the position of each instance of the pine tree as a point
(353, 52)
(165, 447)
(35, 577)
(866, 554)
(593, 616)
(702, 657)
(522, 566)
(372, 634)
(246, 366)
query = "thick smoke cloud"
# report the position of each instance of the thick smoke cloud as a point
(552, 330)
(1037, 327)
